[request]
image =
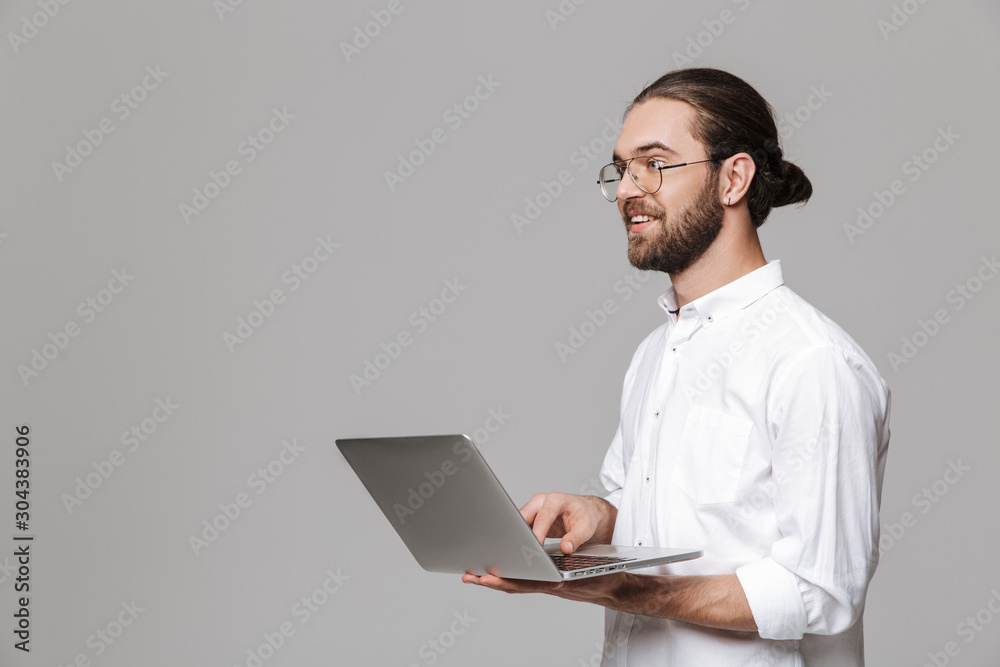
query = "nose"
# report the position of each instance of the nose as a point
(627, 187)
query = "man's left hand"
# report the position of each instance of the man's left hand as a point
(599, 590)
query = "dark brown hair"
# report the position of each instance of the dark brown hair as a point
(731, 117)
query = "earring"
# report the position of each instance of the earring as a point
(728, 201)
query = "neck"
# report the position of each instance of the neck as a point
(735, 253)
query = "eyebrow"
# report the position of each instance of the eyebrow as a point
(645, 148)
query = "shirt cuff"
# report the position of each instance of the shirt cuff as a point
(775, 600)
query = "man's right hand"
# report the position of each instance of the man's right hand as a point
(576, 519)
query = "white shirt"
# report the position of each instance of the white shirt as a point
(754, 428)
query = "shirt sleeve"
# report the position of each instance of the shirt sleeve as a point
(829, 428)
(612, 475)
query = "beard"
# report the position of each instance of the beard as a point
(673, 245)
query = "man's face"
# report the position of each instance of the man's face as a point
(685, 215)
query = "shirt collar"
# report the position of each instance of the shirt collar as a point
(731, 297)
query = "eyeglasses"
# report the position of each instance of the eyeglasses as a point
(646, 173)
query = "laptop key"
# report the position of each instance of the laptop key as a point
(572, 562)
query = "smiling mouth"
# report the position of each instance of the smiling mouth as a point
(639, 223)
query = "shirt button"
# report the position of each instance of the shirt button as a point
(647, 478)
(673, 349)
(639, 543)
(657, 413)
(709, 318)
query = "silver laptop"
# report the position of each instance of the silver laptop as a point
(454, 516)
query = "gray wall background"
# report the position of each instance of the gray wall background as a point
(889, 93)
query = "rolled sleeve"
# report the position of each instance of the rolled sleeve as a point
(830, 436)
(775, 600)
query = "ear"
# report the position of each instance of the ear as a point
(734, 178)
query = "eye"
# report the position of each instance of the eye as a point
(655, 163)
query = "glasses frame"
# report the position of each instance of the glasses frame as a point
(628, 169)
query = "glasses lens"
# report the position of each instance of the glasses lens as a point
(609, 178)
(647, 175)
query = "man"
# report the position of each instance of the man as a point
(752, 426)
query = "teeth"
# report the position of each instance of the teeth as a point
(641, 218)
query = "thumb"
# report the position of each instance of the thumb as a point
(576, 536)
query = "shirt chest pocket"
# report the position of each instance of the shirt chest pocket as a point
(712, 448)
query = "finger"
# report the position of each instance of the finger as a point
(493, 581)
(580, 521)
(514, 585)
(579, 534)
(542, 525)
(486, 581)
(531, 507)
(478, 579)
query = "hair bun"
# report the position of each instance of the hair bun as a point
(795, 187)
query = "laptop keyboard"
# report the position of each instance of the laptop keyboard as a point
(572, 562)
